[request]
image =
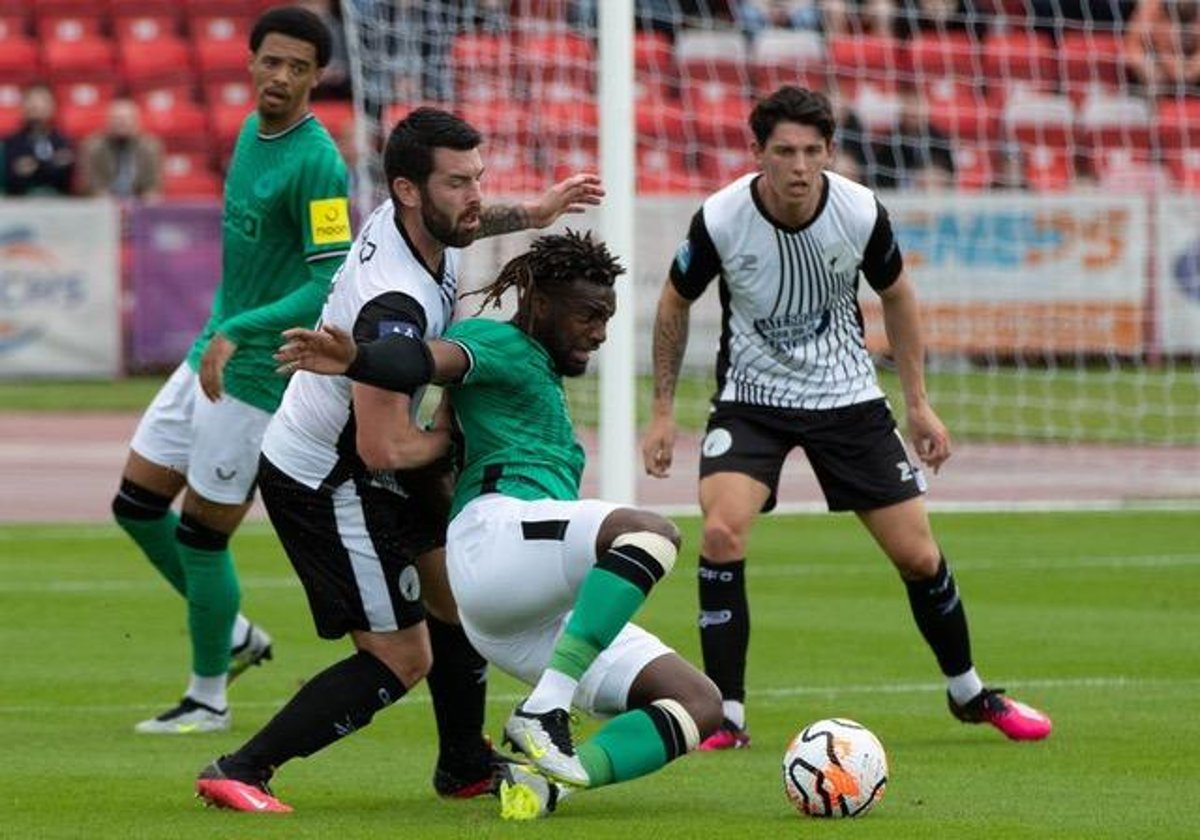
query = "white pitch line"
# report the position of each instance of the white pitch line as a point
(768, 696)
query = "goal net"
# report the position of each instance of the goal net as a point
(1042, 183)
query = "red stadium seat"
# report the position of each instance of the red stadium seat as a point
(1177, 125)
(85, 93)
(665, 171)
(511, 169)
(1128, 170)
(171, 115)
(19, 61)
(78, 121)
(220, 27)
(226, 121)
(146, 28)
(135, 8)
(200, 184)
(336, 116)
(721, 164)
(233, 92)
(953, 55)
(571, 157)
(89, 58)
(226, 59)
(973, 167)
(495, 120)
(1048, 168)
(712, 64)
(961, 112)
(1090, 57)
(1020, 55)
(79, 25)
(722, 123)
(653, 56)
(1040, 119)
(858, 58)
(13, 27)
(160, 62)
(483, 67)
(556, 66)
(1185, 169)
(663, 121)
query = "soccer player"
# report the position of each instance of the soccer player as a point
(338, 483)
(546, 583)
(285, 230)
(789, 243)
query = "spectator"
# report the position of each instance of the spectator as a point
(753, 16)
(121, 160)
(1162, 46)
(38, 159)
(915, 154)
(850, 143)
(335, 79)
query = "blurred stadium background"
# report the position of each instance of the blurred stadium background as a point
(1045, 195)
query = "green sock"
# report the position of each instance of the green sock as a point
(628, 746)
(213, 597)
(156, 539)
(605, 604)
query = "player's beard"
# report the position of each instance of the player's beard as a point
(442, 227)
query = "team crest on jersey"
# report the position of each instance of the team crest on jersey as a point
(330, 220)
(716, 443)
(840, 260)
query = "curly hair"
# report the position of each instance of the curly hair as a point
(553, 261)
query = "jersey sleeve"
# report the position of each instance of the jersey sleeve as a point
(323, 205)
(492, 349)
(390, 313)
(882, 261)
(696, 260)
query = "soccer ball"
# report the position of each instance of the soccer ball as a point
(835, 768)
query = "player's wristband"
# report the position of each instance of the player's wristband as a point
(395, 363)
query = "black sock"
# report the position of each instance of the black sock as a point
(941, 619)
(458, 686)
(725, 625)
(342, 698)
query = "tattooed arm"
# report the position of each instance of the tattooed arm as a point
(572, 195)
(670, 340)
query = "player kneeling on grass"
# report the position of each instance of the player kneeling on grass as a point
(546, 583)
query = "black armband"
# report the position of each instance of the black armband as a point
(395, 363)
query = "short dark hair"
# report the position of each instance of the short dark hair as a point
(792, 104)
(409, 150)
(554, 261)
(297, 23)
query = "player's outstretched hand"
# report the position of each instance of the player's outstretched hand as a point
(572, 195)
(929, 436)
(658, 446)
(212, 366)
(328, 350)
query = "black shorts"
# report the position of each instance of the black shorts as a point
(856, 451)
(354, 548)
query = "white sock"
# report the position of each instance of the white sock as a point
(208, 690)
(964, 687)
(554, 690)
(735, 712)
(241, 632)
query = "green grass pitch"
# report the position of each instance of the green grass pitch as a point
(1091, 616)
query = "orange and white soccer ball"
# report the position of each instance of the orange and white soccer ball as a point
(835, 768)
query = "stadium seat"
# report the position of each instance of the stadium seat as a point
(662, 121)
(721, 122)
(718, 165)
(88, 58)
(665, 171)
(960, 111)
(973, 167)
(947, 55)
(712, 64)
(786, 57)
(194, 8)
(337, 116)
(220, 27)
(225, 122)
(135, 8)
(555, 66)
(13, 27)
(569, 157)
(20, 62)
(220, 60)
(1020, 55)
(495, 120)
(144, 28)
(877, 106)
(1113, 123)
(170, 114)
(1185, 169)
(483, 67)
(1128, 169)
(1040, 119)
(1177, 125)
(1048, 168)
(78, 25)
(78, 121)
(654, 59)
(84, 93)
(233, 92)
(1090, 58)
(859, 58)
(201, 183)
(162, 61)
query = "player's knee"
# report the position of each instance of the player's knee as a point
(702, 699)
(409, 662)
(641, 557)
(198, 535)
(722, 541)
(917, 562)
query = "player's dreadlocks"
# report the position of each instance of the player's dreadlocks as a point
(552, 261)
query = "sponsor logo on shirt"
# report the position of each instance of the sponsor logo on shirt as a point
(330, 220)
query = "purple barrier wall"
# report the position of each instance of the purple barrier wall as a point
(174, 266)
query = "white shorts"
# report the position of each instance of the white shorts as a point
(515, 586)
(215, 445)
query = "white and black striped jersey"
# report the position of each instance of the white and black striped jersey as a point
(383, 287)
(792, 331)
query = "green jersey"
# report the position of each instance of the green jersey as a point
(285, 229)
(512, 411)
